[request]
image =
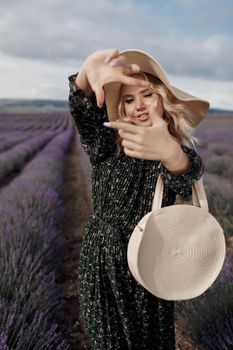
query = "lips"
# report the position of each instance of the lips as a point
(143, 116)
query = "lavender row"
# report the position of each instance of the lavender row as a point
(31, 209)
(207, 320)
(217, 154)
(216, 142)
(15, 158)
(25, 124)
(33, 123)
(29, 118)
(10, 140)
(220, 134)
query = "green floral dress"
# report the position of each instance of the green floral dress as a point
(119, 313)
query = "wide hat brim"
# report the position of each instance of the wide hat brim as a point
(195, 108)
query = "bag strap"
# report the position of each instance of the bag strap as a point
(198, 190)
(199, 198)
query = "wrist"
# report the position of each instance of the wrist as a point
(173, 151)
(178, 162)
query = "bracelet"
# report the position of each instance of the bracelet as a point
(177, 161)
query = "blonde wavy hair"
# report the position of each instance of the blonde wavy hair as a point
(174, 111)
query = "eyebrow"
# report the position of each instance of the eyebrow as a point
(127, 95)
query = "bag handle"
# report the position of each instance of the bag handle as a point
(199, 198)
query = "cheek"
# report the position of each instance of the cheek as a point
(129, 110)
(157, 98)
(149, 100)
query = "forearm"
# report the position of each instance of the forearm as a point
(83, 107)
(81, 80)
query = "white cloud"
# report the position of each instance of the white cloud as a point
(25, 78)
(42, 42)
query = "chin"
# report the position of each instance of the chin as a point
(144, 123)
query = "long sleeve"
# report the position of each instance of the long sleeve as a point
(182, 184)
(97, 140)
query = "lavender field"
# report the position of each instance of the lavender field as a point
(33, 151)
(206, 322)
(45, 203)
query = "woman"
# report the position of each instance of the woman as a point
(119, 313)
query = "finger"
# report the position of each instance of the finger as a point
(112, 54)
(134, 81)
(135, 68)
(134, 129)
(133, 153)
(131, 145)
(140, 154)
(153, 112)
(130, 68)
(129, 136)
(99, 93)
(118, 61)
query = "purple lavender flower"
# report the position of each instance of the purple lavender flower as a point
(31, 209)
(3, 340)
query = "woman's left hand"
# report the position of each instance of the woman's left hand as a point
(152, 142)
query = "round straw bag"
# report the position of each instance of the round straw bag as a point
(176, 252)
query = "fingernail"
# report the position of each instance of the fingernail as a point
(107, 124)
(107, 59)
(135, 67)
(113, 63)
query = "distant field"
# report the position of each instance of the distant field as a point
(214, 121)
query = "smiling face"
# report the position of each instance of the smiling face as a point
(136, 102)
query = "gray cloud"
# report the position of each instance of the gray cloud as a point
(58, 31)
(44, 41)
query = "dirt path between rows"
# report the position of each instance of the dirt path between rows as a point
(77, 199)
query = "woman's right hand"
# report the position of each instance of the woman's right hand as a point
(103, 67)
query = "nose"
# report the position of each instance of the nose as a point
(140, 103)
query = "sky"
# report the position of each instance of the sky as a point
(42, 42)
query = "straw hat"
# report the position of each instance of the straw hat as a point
(195, 108)
(177, 252)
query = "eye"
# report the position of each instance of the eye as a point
(149, 94)
(128, 100)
